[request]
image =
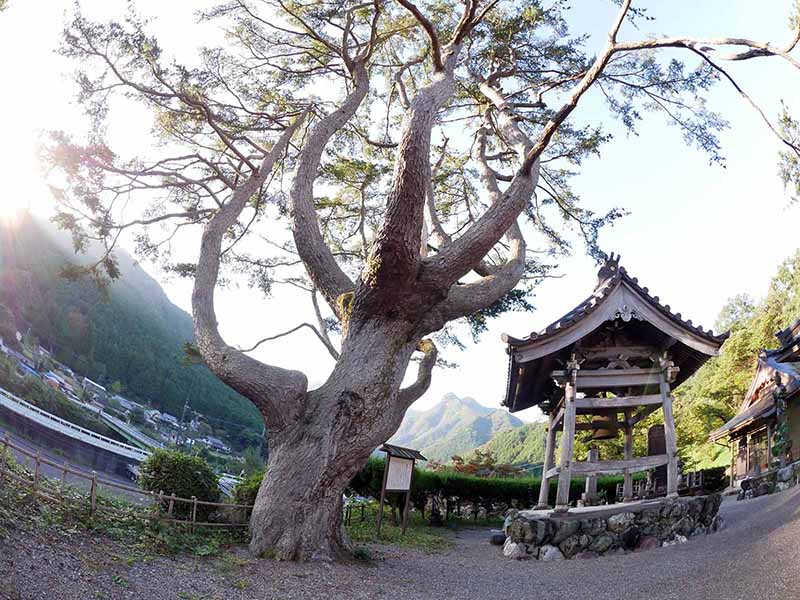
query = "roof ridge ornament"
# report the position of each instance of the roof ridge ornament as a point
(626, 313)
(609, 269)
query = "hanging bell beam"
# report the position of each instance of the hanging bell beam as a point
(613, 467)
(590, 404)
(612, 378)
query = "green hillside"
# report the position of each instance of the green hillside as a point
(518, 446)
(454, 426)
(133, 334)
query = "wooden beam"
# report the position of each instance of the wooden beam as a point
(549, 459)
(620, 402)
(591, 481)
(592, 353)
(669, 437)
(578, 427)
(611, 378)
(611, 467)
(627, 485)
(559, 415)
(643, 414)
(567, 439)
(553, 472)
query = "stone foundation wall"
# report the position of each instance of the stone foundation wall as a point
(643, 527)
(776, 480)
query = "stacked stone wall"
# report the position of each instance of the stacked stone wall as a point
(553, 537)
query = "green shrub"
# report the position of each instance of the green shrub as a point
(184, 475)
(246, 491)
(714, 479)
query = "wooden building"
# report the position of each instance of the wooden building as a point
(775, 390)
(604, 367)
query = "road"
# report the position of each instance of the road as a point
(55, 473)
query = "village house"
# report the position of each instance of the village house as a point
(94, 389)
(775, 389)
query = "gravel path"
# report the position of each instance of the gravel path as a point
(756, 556)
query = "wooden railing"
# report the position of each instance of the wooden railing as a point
(49, 490)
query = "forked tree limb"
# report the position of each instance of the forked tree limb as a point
(317, 257)
(278, 393)
(408, 395)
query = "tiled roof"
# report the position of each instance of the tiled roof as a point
(609, 276)
(401, 452)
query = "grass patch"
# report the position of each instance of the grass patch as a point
(418, 534)
(137, 527)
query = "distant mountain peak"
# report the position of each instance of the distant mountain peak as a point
(455, 425)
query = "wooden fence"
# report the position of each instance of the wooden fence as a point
(234, 515)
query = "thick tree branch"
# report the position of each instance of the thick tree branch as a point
(436, 47)
(395, 254)
(407, 396)
(278, 393)
(320, 263)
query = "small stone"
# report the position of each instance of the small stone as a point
(507, 524)
(621, 521)
(602, 543)
(593, 526)
(586, 554)
(630, 537)
(513, 550)
(647, 516)
(681, 539)
(698, 531)
(520, 530)
(574, 544)
(717, 524)
(563, 529)
(647, 542)
(785, 474)
(549, 553)
(684, 526)
(497, 537)
(677, 511)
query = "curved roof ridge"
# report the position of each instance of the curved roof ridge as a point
(609, 276)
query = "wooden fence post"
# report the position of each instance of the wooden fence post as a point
(36, 468)
(3, 460)
(194, 512)
(159, 504)
(171, 505)
(64, 478)
(93, 494)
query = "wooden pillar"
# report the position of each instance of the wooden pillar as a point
(769, 447)
(627, 486)
(567, 437)
(591, 480)
(383, 494)
(549, 460)
(734, 445)
(747, 454)
(669, 431)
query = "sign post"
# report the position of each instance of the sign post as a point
(397, 475)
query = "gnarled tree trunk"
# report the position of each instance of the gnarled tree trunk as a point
(298, 511)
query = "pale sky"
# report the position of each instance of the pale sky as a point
(696, 234)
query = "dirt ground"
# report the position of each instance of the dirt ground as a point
(755, 556)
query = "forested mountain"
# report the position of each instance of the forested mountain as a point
(713, 395)
(521, 445)
(454, 426)
(132, 334)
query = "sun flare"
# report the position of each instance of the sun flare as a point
(12, 209)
